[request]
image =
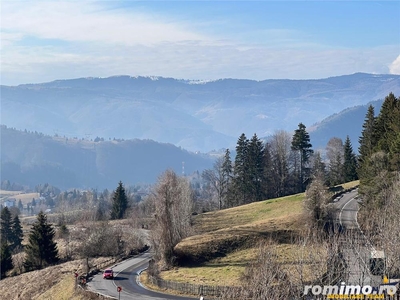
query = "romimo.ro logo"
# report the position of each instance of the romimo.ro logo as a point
(340, 292)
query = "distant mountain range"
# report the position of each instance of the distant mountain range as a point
(196, 115)
(30, 159)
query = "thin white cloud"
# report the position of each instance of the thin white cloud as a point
(395, 66)
(100, 42)
(89, 22)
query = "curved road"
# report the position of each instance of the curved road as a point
(347, 208)
(355, 246)
(126, 275)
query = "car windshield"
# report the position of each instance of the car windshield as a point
(108, 271)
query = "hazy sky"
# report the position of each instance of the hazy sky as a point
(47, 40)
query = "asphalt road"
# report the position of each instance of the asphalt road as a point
(126, 272)
(354, 244)
(347, 208)
(125, 276)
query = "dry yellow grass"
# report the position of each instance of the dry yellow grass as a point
(19, 195)
(218, 231)
(50, 283)
(254, 214)
(219, 271)
(8, 193)
(25, 198)
(64, 290)
(351, 184)
(227, 240)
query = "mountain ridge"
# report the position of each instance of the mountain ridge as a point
(197, 117)
(31, 158)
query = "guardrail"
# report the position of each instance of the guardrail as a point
(337, 192)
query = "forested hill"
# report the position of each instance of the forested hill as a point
(33, 158)
(346, 123)
(196, 115)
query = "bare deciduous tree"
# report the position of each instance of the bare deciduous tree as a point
(316, 204)
(173, 202)
(218, 181)
(335, 155)
(281, 152)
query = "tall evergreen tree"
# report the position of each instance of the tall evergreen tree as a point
(268, 174)
(394, 140)
(349, 162)
(255, 157)
(227, 173)
(367, 140)
(241, 171)
(6, 259)
(6, 225)
(41, 249)
(20, 205)
(119, 202)
(301, 144)
(383, 128)
(17, 233)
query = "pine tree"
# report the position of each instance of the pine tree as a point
(301, 143)
(268, 176)
(6, 259)
(17, 233)
(255, 157)
(6, 223)
(383, 128)
(241, 171)
(350, 162)
(227, 176)
(367, 140)
(20, 205)
(41, 249)
(120, 202)
(394, 142)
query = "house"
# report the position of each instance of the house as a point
(10, 202)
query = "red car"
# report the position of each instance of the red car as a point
(108, 273)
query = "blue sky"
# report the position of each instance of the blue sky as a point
(47, 40)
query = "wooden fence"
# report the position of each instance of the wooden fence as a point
(217, 291)
(192, 289)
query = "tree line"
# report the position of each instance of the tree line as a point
(379, 170)
(283, 165)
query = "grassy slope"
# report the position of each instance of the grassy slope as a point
(18, 195)
(56, 282)
(227, 240)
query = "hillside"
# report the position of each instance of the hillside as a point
(196, 115)
(347, 122)
(32, 158)
(226, 241)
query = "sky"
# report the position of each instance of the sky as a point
(43, 41)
